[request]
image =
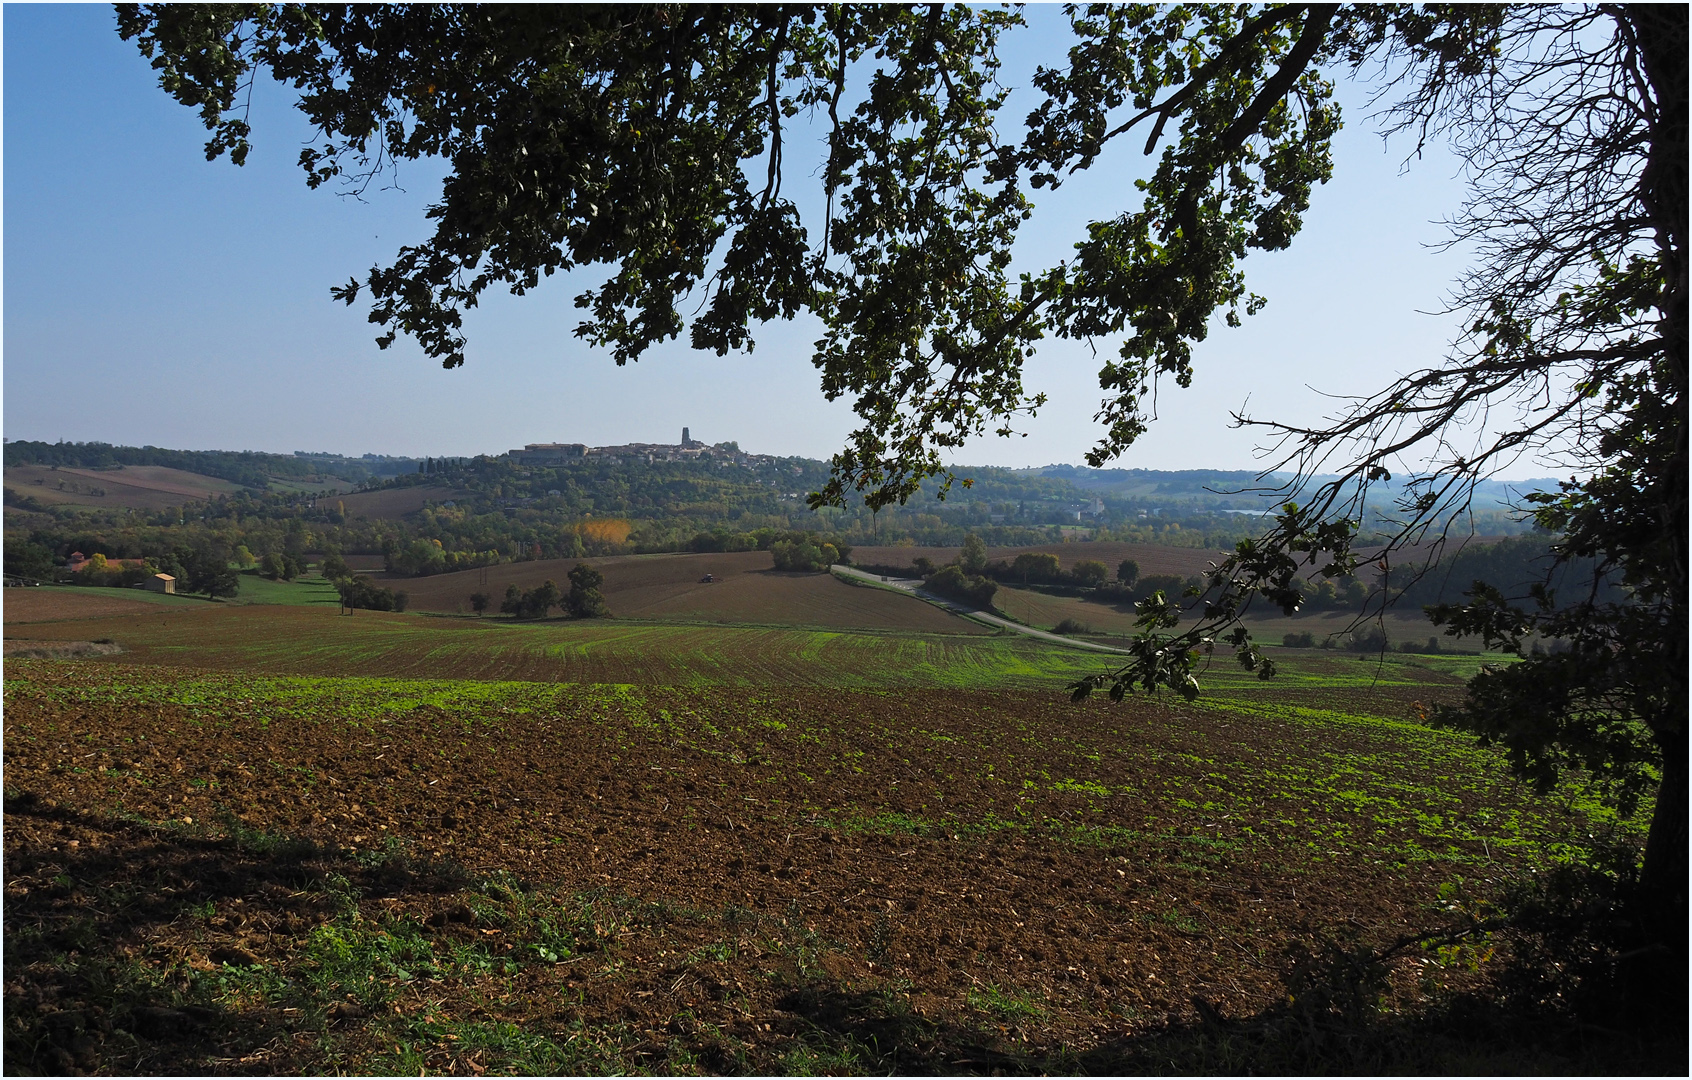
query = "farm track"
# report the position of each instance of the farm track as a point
(914, 588)
(986, 878)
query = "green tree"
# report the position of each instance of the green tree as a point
(529, 603)
(1036, 567)
(973, 589)
(805, 552)
(539, 601)
(584, 600)
(972, 560)
(479, 602)
(513, 602)
(1128, 572)
(1090, 573)
(647, 139)
(206, 570)
(359, 591)
(334, 566)
(651, 139)
(418, 558)
(1573, 123)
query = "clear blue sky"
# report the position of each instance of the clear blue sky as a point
(152, 297)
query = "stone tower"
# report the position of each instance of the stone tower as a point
(685, 440)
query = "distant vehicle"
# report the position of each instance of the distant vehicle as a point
(707, 580)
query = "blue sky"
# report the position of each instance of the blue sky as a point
(152, 297)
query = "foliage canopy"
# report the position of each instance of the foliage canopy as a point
(650, 140)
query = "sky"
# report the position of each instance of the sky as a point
(151, 297)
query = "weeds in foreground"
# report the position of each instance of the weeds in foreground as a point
(501, 975)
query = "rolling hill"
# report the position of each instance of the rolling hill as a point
(134, 487)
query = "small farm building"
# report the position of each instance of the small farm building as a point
(161, 583)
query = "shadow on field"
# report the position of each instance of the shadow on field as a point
(118, 933)
(137, 947)
(881, 1034)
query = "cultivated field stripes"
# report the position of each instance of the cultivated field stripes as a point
(356, 872)
(309, 640)
(1345, 785)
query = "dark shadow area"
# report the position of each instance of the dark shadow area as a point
(882, 1033)
(108, 921)
(137, 947)
(1464, 1036)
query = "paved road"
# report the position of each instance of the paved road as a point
(914, 587)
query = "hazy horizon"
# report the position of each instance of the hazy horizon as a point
(961, 466)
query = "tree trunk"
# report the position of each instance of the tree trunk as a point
(1660, 34)
(1662, 883)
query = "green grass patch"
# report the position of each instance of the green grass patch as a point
(311, 589)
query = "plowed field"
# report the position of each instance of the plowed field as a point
(49, 604)
(744, 589)
(312, 640)
(231, 872)
(140, 487)
(396, 502)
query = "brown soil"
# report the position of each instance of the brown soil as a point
(48, 604)
(59, 650)
(758, 846)
(139, 487)
(316, 641)
(744, 589)
(395, 503)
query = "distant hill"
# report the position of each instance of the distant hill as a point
(1245, 489)
(431, 515)
(138, 487)
(246, 468)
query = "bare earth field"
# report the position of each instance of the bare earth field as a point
(1044, 612)
(138, 487)
(745, 590)
(48, 604)
(267, 839)
(229, 872)
(395, 503)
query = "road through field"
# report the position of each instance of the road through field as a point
(914, 587)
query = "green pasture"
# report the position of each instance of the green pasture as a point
(311, 589)
(103, 593)
(254, 589)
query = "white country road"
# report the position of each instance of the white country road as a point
(914, 587)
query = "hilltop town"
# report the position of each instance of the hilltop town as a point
(689, 449)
